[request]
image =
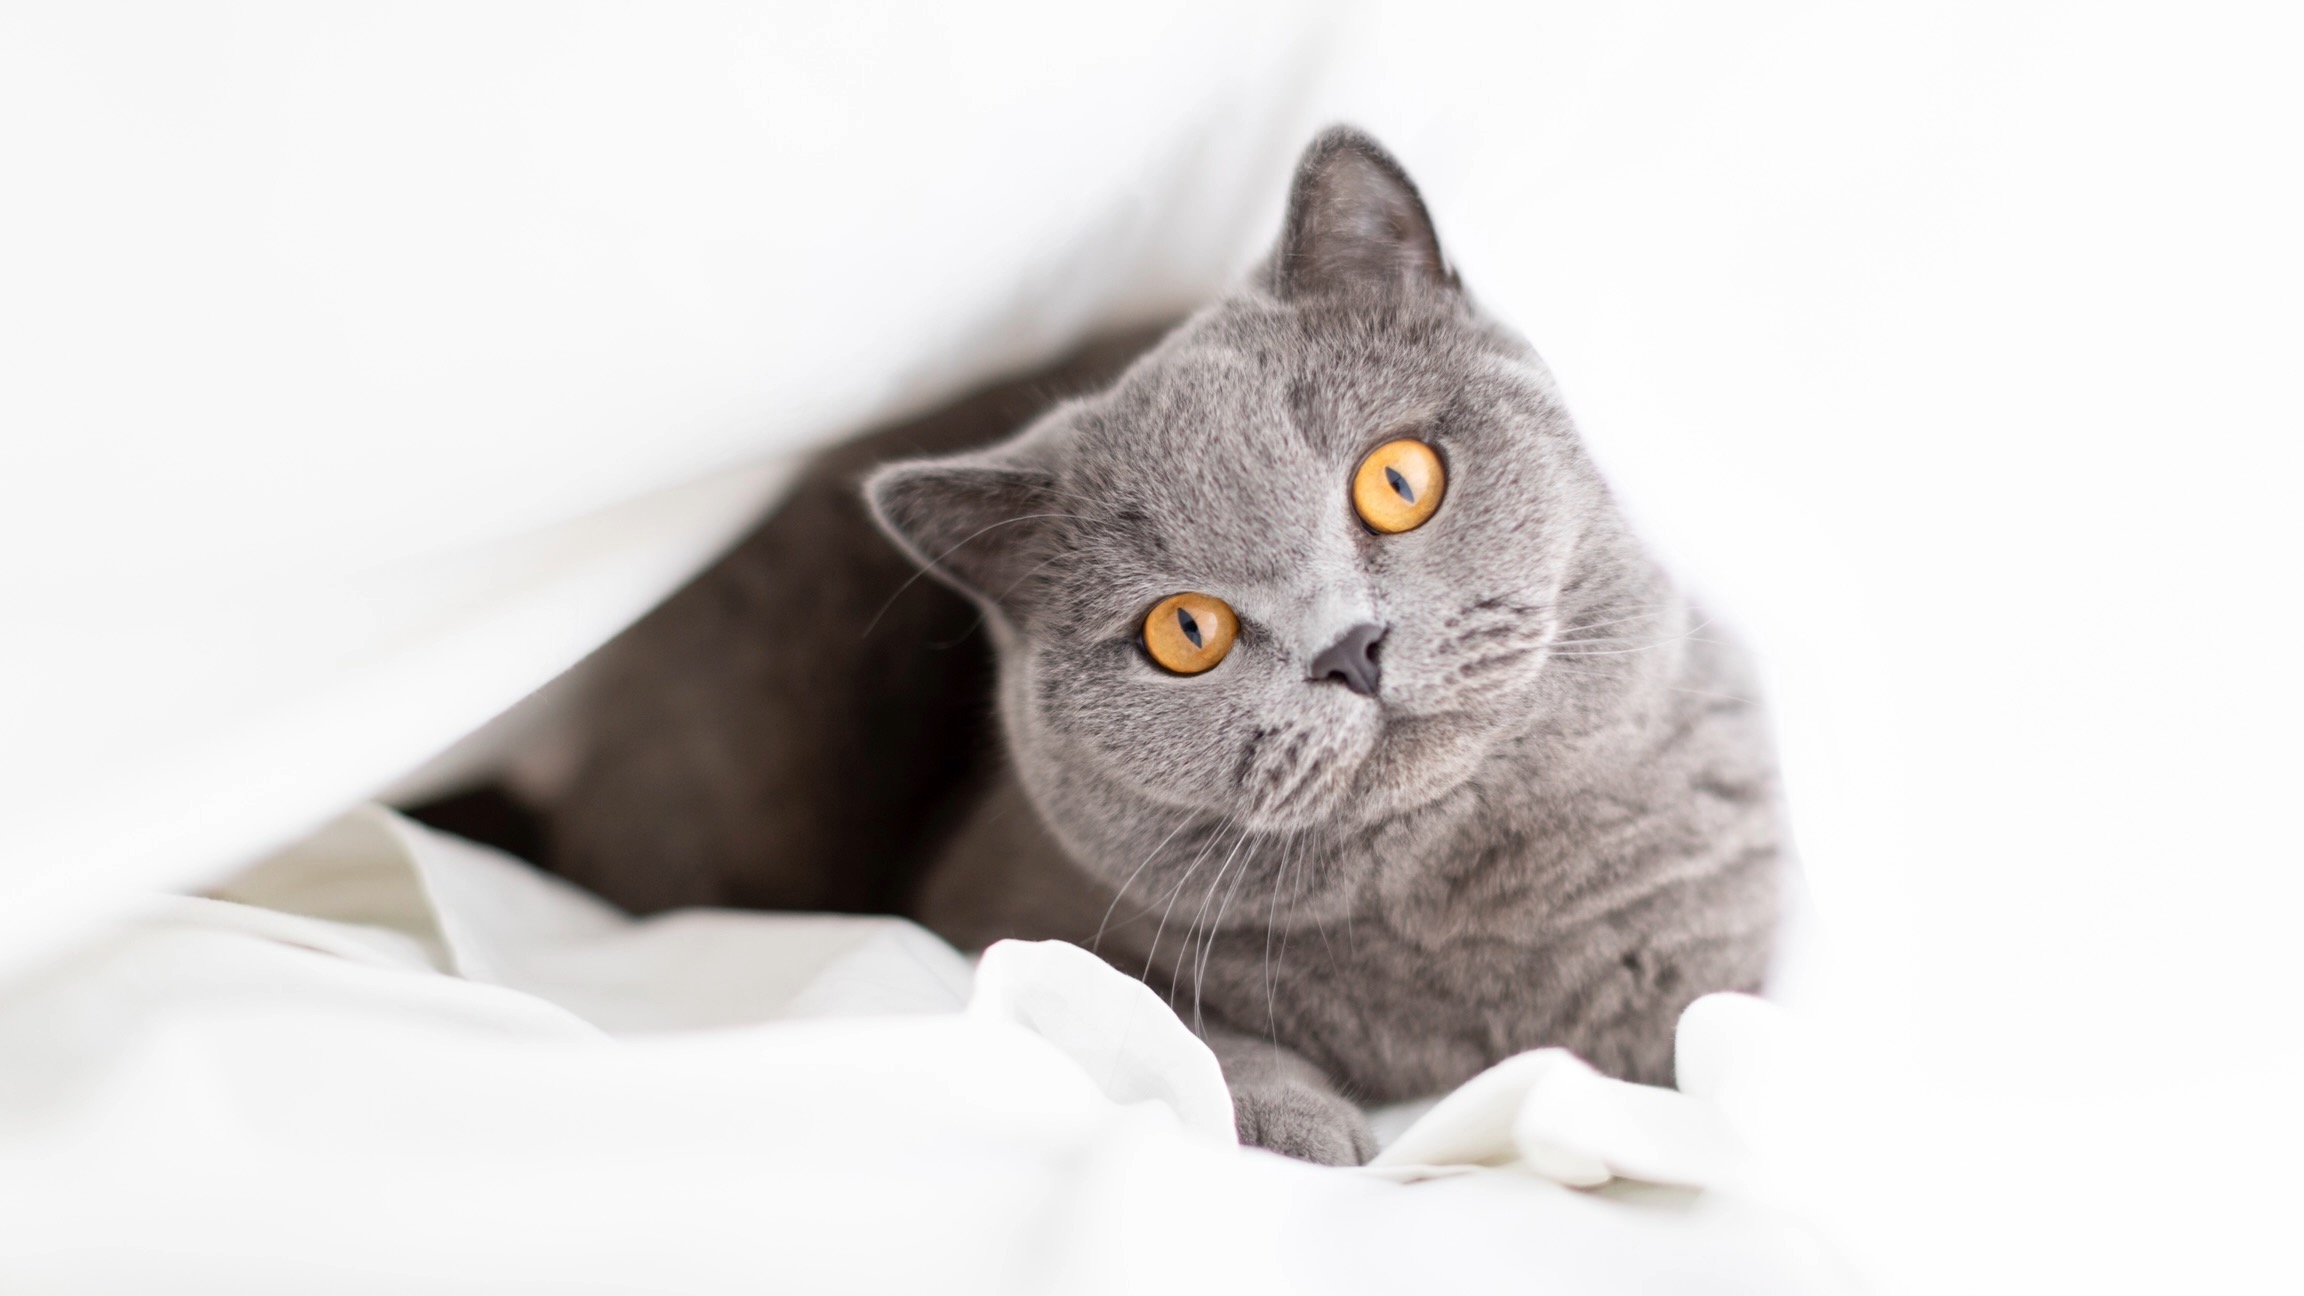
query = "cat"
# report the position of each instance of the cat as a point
(1297, 661)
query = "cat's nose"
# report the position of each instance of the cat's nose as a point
(1351, 660)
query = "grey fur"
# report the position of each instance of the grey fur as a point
(1556, 823)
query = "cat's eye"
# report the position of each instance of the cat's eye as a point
(1398, 486)
(1190, 633)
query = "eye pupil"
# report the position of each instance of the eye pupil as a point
(1400, 484)
(1190, 627)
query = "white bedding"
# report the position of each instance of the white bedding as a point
(389, 1060)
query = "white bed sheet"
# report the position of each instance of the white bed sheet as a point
(389, 1060)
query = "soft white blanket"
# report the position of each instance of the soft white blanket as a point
(387, 1059)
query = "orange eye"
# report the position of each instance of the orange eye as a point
(1190, 633)
(1398, 486)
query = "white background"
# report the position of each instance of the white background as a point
(1953, 347)
(1950, 348)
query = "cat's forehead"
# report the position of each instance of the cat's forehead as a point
(1231, 451)
(1241, 401)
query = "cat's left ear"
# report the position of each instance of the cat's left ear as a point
(1355, 225)
(976, 523)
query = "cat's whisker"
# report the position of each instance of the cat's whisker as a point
(1177, 980)
(1106, 920)
(1271, 913)
(1682, 637)
(874, 623)
(1184, 947)
(1598, 625)
(1177, 891)
(981, 613)
(1208, 945)
(1580, 635)
(1325, 944)
(1044, 488)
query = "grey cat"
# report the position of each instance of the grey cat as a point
(1430, 794)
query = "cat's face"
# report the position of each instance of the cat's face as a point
(1372, 668)
(1224, 467)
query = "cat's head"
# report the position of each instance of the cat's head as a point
(1372, 494)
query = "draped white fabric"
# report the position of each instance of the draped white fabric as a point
(387, 1060)
(368, 367)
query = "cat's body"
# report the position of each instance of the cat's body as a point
(1540, 810)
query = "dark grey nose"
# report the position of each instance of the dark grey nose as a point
(1351, 660)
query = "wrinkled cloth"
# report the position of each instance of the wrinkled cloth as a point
(387, 1058)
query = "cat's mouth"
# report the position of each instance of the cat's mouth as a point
(1417, 759)
(1392, 763)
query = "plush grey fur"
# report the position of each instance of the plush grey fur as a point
(1554, 823)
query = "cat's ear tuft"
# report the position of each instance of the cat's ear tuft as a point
(977, 524)
(1355, 224)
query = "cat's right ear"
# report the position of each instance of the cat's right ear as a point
(1355, 225)
(979, 525)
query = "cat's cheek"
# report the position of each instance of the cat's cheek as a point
(1169, 747)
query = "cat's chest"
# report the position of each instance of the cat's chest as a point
(1500, 945)
(1398, 1013)
(1506, 885)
